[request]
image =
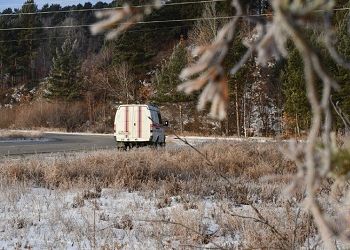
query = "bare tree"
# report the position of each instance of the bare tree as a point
(126, 80)
(205, 30)
(117, 82)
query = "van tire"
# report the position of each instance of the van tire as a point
(121, 146)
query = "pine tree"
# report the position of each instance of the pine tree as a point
(64, 79)
(296, 106)
(167, 78)
(27, 40)
(6, 49)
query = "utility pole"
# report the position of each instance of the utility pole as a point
(181, 122)
(237, 112)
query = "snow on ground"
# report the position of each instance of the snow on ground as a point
(199, 140)
(39, 218)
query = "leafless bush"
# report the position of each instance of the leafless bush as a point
(116, 82)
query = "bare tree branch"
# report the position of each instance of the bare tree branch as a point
(182, 225)
(342, 116)
(263, 221)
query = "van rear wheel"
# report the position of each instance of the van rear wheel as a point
(121, 146)
(158, 145)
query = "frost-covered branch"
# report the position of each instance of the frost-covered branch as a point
(117, 21)
(288, 22)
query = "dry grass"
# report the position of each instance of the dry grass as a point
(75, 116)
(13, 134)
(241, 171)
(182, 195)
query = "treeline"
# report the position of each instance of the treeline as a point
(49, 54)
(27, 48)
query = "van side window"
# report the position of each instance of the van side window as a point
(160, 118)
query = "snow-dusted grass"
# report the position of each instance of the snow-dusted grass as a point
(152, 199)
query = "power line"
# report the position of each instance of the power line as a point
(63, 37)
(46, 27)
(153, 22)
(36, 39)
(141, 22)
(112, 8)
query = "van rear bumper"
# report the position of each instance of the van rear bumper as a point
(131, 140)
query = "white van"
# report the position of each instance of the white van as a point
(139, 125)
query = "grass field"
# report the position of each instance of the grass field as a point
(232, 196)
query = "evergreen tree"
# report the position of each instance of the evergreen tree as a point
(6, 49)
(167, 78)
(143, 42)
(296, 106)
(64, 79)
(27, 40)
(342, 75)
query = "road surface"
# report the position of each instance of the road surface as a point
(57, 142)
(68, 142)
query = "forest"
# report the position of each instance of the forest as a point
(55, 74)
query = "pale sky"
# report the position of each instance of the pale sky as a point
(18, 3)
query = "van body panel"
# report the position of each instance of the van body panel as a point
(137, 123)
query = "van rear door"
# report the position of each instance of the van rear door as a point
(132, 123)
(122, 122)
(137, 131)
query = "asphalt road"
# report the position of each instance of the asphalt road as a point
(64, 142)
(54, 143)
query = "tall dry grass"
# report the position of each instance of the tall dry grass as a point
(69, 116)
(242, 171)
(13, 134)
(7, 117)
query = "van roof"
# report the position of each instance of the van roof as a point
(149, 106)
